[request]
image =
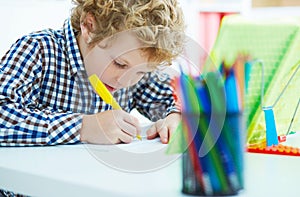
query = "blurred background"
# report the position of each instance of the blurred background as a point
(19, 17)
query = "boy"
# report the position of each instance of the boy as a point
(45, 96)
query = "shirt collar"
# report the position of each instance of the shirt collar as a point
(75, 60)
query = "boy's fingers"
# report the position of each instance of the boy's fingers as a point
(131, 119)
(134, 122)
(164, 134)
(128, 128)
(124, 137)
(151, 132)
(127, 123)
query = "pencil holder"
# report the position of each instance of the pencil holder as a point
(212, 164)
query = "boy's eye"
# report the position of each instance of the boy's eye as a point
(119, 64)
(142, 73)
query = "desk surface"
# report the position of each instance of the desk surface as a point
(74, 171)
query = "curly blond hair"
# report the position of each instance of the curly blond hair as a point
(157, 23)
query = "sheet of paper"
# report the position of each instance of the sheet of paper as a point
(136, 146)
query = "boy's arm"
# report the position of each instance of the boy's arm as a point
(157, 100)
(22, 121)
(155, 97)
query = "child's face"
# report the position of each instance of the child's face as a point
(119, 64)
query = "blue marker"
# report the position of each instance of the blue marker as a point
(212, 182)
(202, 94)
(232, 103)
(248, 66)
(226, 156)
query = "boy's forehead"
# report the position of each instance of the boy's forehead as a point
(124, 42)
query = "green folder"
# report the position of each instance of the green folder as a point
(276, 42)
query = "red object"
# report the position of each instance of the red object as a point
(281, 138)
(278, 150)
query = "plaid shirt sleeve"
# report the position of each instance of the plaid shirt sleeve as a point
(22, 121)
(155, 96)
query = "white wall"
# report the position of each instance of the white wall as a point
(19, 17)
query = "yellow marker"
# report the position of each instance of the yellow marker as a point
(103, 92)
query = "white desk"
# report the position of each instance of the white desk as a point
(73, 171)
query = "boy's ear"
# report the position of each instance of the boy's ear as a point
(87, 26)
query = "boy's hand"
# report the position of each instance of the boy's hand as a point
(164, 127)
(109, 127)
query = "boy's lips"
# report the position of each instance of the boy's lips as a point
(109, 88)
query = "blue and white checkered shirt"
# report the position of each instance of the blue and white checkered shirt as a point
(44, 91)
